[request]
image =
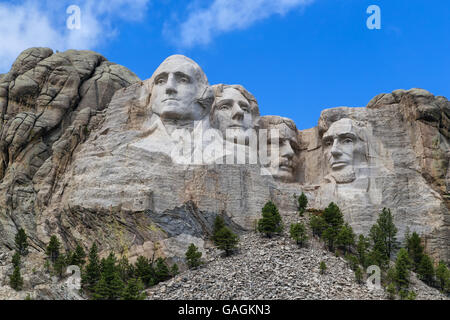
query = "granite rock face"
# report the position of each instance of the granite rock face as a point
(91, 153)
(48, 103)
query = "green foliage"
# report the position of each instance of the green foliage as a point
(352, 261)
(226, 240)
(346, 237)
(317, 224)
(383, 235)
(402, 267)
(415, 249)
(16, 280)
(411, 295)
(16, 259)
(271, 220)
(358, 275)
(193, 256)
(60, 265)
(322, 267)
(92, 272)
(334, 220)
(219, 223)
(361, 249)
(302, 203)
(133, 290)
(125, 269)
(145, 271)
(162, 270)
(101, 291)
(174, 270)
(443, 276)
(425, 270)
(392, 291)
(53, 248)
(298, 233)
(21, 242)
(78, 257)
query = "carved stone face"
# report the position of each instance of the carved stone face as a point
(344, 150)
(232, 112)
(178, 83)
(283, 164)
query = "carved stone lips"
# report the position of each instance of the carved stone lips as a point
(170, 99)
(337, 164)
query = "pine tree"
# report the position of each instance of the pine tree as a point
(352, 261)
(358, 275)
(425, 270)
(271, 220)
(226, 240)
(388, 231)
(298, 233)
(126, 270)
(60, 265)
(92, 272)
(443, 276)
(334, 220)
(133, 290)
(302, 203)
(346, 237)
(392, 291)
(361, 248)
(402, 266)
(161, 270)
(16, 280)
(78, 257)
(16, 259)
(53, 248)
(115, 287)
(145, 271)
(415, 249)
(379, 253)
(101, 290)
(219, 223)
(21, 242)
(174, 270)
(193, 256)
(323, 267)
(317, 224)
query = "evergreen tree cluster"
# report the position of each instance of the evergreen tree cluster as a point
(329, 225)
(21, 242)
(270, 222)
(113, 279)
(223, 237)
(110, 278)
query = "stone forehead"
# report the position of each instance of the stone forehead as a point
(342, 126)
(184, 64)
(269, 122)
(220, 88)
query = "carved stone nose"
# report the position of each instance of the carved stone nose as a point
(238, 114)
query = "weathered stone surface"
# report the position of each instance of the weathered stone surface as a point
(89, 153)
(48, 103)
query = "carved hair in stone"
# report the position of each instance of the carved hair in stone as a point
(289, 148)
(179, 91)
(345, 150)
(234, 110)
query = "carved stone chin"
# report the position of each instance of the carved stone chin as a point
(346, 175)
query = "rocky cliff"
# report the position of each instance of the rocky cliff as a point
(84, 155)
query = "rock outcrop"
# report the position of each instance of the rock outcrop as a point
(92, 154)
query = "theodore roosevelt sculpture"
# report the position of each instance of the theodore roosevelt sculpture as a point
(283, 164)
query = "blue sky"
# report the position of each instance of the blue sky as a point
(297, 57)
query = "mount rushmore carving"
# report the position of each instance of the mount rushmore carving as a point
(91, 153)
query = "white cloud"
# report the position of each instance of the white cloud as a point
(223, 16)
(43, 24)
